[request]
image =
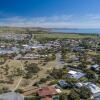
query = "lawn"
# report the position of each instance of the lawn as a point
(93, 53)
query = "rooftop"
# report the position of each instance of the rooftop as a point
(11, 96)
(47, 91)
(72, 72)
(95, 66)
(94, 89)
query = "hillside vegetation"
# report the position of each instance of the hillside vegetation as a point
(22, 30)
(65, 36)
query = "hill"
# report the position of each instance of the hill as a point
(6, 29)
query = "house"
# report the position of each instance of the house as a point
(10, 50)
(78, 85)
(29, 56)
(14, 36)
(49, 91)
(11, 96)
(75, 74)
(46, 91)
(37, 47)
(94, 89)
(63, 84)
(77, 49)
(95, 67)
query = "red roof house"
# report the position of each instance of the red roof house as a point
(46, 91)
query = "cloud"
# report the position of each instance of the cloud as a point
(94, 16)
(61, 21)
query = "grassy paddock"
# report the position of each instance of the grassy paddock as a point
(64, 36)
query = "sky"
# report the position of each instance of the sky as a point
(50, 13)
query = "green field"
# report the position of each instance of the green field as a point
(64, 36)
(22, 30)
(11, 29)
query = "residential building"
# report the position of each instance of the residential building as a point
(47, 92)
(94, 89)
(75, 74)
(95, 67)
(11, 96)
(63, 84)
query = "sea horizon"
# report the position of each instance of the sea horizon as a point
(77, 30)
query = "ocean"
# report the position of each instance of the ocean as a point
(82, 31)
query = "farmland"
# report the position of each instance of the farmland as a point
(64, 36)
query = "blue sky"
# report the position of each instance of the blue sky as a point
(50, 13)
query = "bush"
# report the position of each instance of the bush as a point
(58, 73)
(63, 96)
(71, 81)
(73, 95)
(31, 69)
(85, 93)
(30, 98)
(19, 91)
(43, 80)
(53, 82)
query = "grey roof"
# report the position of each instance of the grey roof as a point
(94, 89)
(62, 83)
(95, 66)
(77, 75)
(11, 96)
(97, 98)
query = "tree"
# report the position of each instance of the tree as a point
(6, 69)
(4, 90)
(84, 44)
(63, 56)
(98, 59)
(90, 74)
(63, 53)
(53, 56)
(1, 74)
(71, 81)
(11, 78)
(19, 91)
(19, 72)
(58, 73)
(73, 95)
(85, 93)
(31, 69)
(31, 98)
(63, 96)
(43, 80)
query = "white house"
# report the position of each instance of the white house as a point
(94, 89)
(75, 74)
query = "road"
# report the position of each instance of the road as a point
(43, 73)
(58, 63)
(18, 84)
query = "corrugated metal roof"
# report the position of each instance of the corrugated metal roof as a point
(11, 96)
